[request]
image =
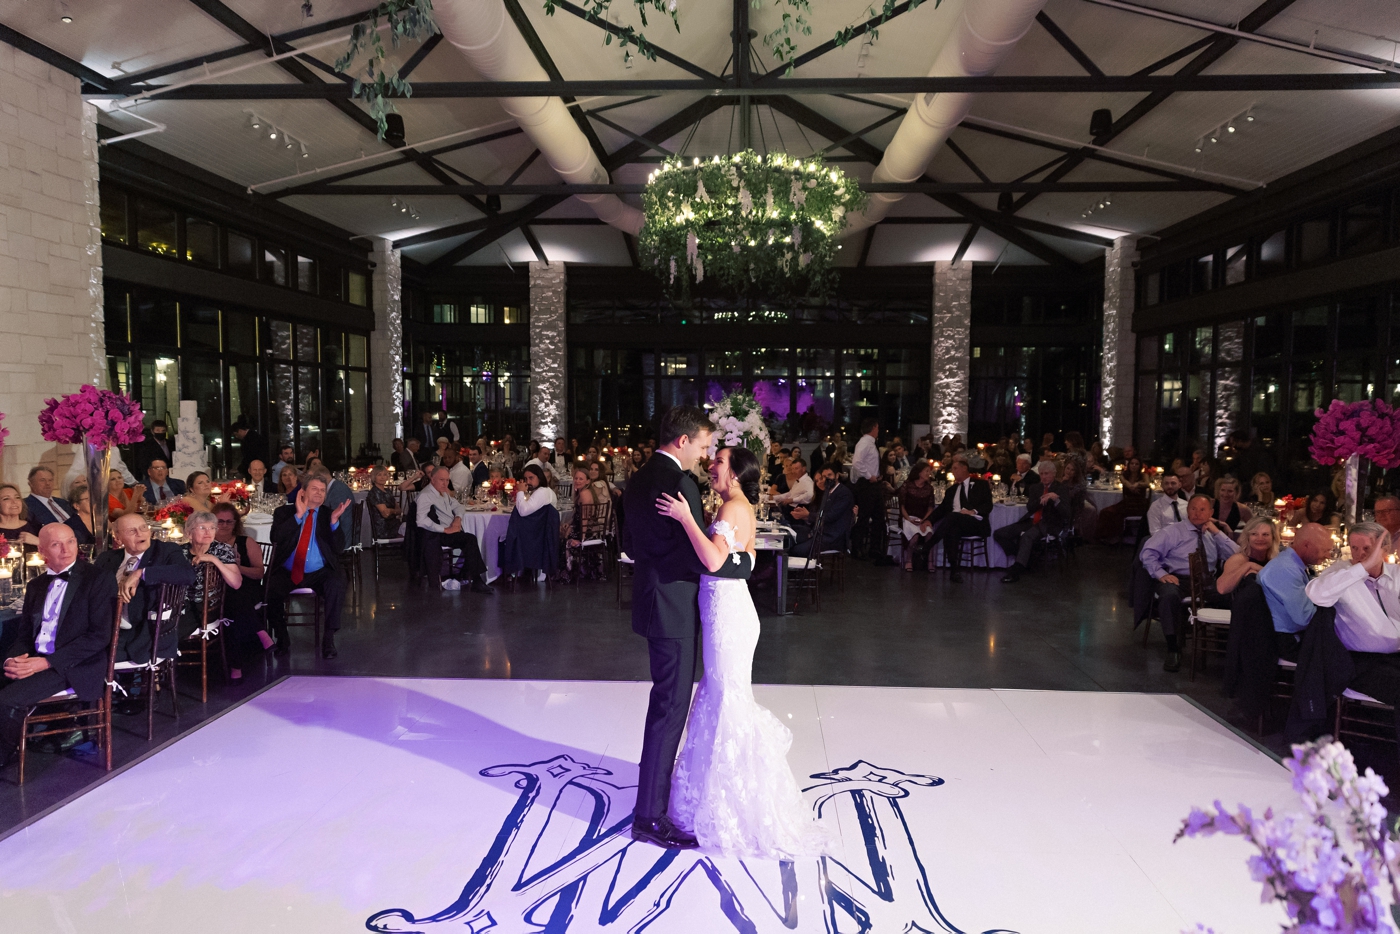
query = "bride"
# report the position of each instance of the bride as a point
(732, 786)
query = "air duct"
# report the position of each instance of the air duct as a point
(483, 32)
(987, 30)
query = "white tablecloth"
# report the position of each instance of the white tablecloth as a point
(489, 528)
(1104, 498)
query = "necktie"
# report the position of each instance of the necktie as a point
(1176, 511)
(58, 513)
(303, 545)
(1201, 549)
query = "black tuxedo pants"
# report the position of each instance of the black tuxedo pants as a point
(951, 532)
(868, 536)
(330, 584)
(673, 667)
(18, 697)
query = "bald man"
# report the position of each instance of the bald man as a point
(1284, 581)
(65, 630)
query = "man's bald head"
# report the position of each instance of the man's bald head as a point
(58, 545)
(1312, 543)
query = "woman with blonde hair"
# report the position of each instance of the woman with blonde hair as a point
(1228, 510)
(1259, 544)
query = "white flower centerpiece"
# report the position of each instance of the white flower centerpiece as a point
(739, 423)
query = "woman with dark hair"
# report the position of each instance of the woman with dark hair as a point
(915, 508)
(1133, 504)
(1321, 508)
(531, 544)
(248, 633)
(731, 785)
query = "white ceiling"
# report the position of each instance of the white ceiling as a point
(1291, 129)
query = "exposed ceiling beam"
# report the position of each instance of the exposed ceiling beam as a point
(957, 150)
(868, 239)
(1176, 56)
(875, 22)
(537, 48)
(1066, 43)
(965, 243)
(923, 187)
(534, 242)
(399, 160)
(500, 226)
(55, 58)
(1184, 82)
(656, 50)
(422, 52)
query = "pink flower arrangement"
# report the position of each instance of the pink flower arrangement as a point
(1370, 428)
(98, 416)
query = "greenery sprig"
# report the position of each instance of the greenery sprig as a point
(407, 19)
(596, 12)
(755, 223)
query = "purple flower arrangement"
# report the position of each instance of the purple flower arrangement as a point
(1370, 428)
(98, 416)
(1333, 866)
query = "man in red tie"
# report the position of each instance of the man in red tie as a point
(306, 554)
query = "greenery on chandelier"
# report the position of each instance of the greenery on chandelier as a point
(406, 19)
(754, 223)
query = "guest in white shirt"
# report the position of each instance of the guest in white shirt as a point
(867, 538)
(543, 459)
(538, 496)
(1366, 594)
(458, 472)
(800, 490)
(1167, 508)
(439, 516)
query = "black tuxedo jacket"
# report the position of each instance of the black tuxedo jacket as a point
(666, 584)
(286, 531)
(253, 447)
(163, 563)
(480, 473)
(84, 630)
(979, 499)
(1057, 514)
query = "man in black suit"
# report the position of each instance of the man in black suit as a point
(65, 629)
(666, 587)
(44, 507)
(427, 436)
(251, 445)
(965, 511)
(157, 444)
(258, 478)
(137, 569)
(837, 502)
(481, 471)
(1047, 513)
(159, 484)
(306, 554)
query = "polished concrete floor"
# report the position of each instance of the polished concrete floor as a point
(1063, 628)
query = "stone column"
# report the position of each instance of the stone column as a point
(1119, 345)
(386, 348)
(952, 351)
(50, 254)
(549, 351)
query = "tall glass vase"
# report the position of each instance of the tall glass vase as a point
(99, 461)
(1353, 496)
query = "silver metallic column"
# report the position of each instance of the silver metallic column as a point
(549, 351)
(1119, 346)
(386, 348)
(952, 339)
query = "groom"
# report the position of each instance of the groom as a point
(666, 587)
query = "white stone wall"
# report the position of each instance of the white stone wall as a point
(1119, 347)
(50, 253)
(952, 348)
(386, 348)
(549, 351)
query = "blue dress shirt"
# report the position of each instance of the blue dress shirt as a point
(1168, 551)
(1284, 579)
(314, 561)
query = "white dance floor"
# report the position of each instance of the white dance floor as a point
(353, 804)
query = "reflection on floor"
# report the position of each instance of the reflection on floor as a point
(332, 804)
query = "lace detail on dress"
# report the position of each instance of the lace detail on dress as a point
(732, 786)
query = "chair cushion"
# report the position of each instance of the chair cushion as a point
(801, 564)
(1349, 694)
(1286, 665)
(622, 557)
(66, 692)
(1213, 616)
(388, 541)
(303, 590)
(591, 543)
(133, 666)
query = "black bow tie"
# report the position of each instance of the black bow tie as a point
(60, 577)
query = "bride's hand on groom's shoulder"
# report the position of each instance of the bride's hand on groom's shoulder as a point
(673, 506)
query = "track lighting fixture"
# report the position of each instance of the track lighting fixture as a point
(1200, 145)
(1230, 127)
(304, 153)
(255, 121)
(272, 133)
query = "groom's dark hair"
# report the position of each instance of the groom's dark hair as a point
(683, 420)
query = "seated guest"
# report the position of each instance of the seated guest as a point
(1023, 476)
(838, 504)
(1388, 516)
(1166, 557)
(1228, 510)
(443, 444)
(15, 524)
(121, 499)
(247, 632)
(889, 476)
(799, 485)
(285, 458)
(312, 462)
(306, 555)
(915, 512)
(1047, 513)
(400, 459)
(44, 507)
(288, 482)
(63, 637)
(965, 512)
(336, 494)
(458, 472)
(1133, 504)
(199, 492)
(536, 494)
(532, 543)
(603, 490)
(440, 519)
(258, 478)
(202, 548)
(1185, 480)
(385, 515)
(476, 460)
(1262, 486)
(1366, 594)
(1168, 508)
(544, 459)
(1259, 544)
(1085, 514)
(81, 520)
(139, 566)
(159, 486)
(1320, 508)
(1283, 581)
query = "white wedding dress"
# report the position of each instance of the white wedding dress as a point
(732, 786)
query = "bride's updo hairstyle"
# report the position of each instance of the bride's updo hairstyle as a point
(743, 464)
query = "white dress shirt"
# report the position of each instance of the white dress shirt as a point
(960, 494)
(58, 511)
(447, 509)
(460, 474)
(535, 500)
(1367, 620)
(800, 492)
(865, 462)
(53, 602)
(1161, 513)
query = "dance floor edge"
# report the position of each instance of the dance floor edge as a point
(397, 804)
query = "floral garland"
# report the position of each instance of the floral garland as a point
(97, 416)
(406, 19)
(1370, 428)
(753, 222)
(739, 423)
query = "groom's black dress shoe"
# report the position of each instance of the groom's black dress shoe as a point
(663, 833)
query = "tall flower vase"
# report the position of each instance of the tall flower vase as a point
(1353, 496)
(99, 461)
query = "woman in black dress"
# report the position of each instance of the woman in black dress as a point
(247, 635)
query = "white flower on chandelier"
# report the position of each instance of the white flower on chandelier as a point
(739, 423)
(745, 201)
(798, 195)
(701, 194)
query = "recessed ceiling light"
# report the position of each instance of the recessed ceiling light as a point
(65, 18)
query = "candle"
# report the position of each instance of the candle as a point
(35, 560)
(168, 524)
(176, 533)
(1279, 504)
(996, 478)
(6, 574)
(216, 491)
(950, 478)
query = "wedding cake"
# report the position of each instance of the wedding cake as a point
(190, 452)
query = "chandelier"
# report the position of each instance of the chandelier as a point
(755, 223)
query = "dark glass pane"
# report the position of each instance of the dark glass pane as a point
(356, 347)
(199, 327)
(1177, 281)
(1270, 335)
(1152, 288)
(1147, 352)
(155, 321)
(281, 333)
(355, 289)
(201, 241)
(1235, 258)
(155, 227)
(240, 332)
(1266, 402)
(1171, 351)
(333, 429)
(332, 285)
(243, 393)
(306, 274)
(1358, 325)
(120, 375)
(282, 409)
(769, 361)
(113, 214)
(114, 316)
(275, 265)
(1314, 240)
(240, 255)
(1273, 254)
(306, 343)
(204, 383)
(160, 388)
(1355, 381)
(444, 314)
(1202, 345)
(1363, 226)
(359, 411)
(308, 407)
(1310, 330)
(1203, 274)
(332, 346)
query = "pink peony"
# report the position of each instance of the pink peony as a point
(1370, 428)
(96, 415)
